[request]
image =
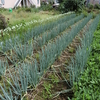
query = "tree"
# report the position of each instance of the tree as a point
(71, 5)
(3, 23)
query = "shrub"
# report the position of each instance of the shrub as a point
(85, 13)
(19, 9)
(36, 10)
(33, 6)
(97, 6)
(94, 15)
(3, 23)
(46, 7)
(2, 9)
(28, 10)
(71, 5)
(91, 6)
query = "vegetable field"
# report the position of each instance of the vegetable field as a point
(44, 62)
(91, 74)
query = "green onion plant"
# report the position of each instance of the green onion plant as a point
(78, 63)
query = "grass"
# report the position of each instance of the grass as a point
(18, 16)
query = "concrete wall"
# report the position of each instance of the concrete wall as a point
(37, 3)
(10, 3)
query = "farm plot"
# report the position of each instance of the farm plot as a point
(27, 60)
(60, 79)
(23, 50)
(31, 33)
(89, 82)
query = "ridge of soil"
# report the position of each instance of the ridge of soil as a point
(59, 72)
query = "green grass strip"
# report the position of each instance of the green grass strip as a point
(88, 87)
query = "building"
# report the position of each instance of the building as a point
(93, 1)
(16, 3)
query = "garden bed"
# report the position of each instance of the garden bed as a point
(40, 61)
(88, 85)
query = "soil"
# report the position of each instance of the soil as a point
(54, 78)
(58, 70)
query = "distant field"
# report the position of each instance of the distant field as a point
(19, 16)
